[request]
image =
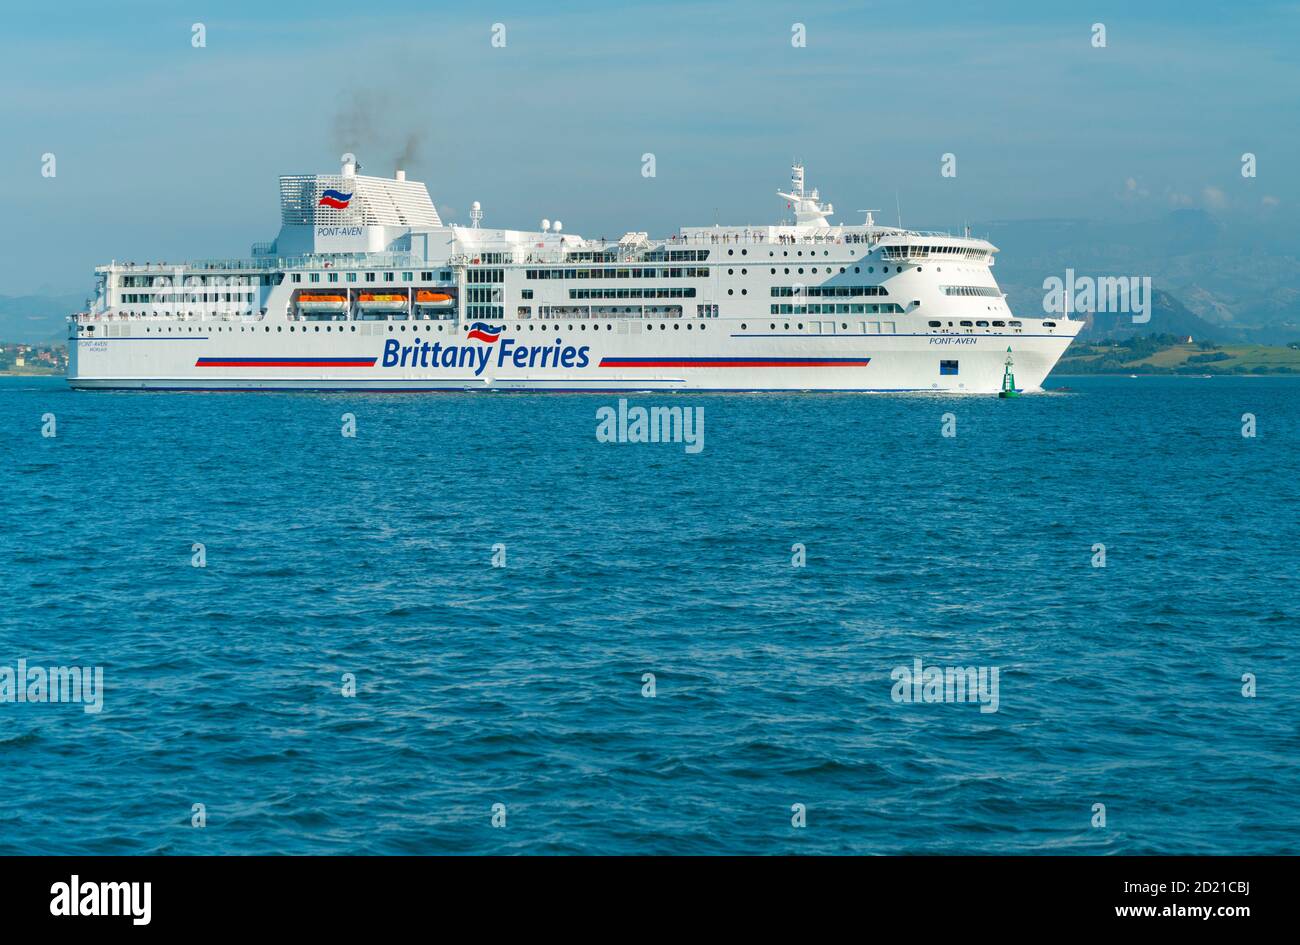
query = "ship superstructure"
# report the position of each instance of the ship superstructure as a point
(366, 288)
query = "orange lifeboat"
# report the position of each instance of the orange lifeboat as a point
(382, 302)
(429, 297)
(322, 302)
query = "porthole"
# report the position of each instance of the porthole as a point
(731, 272)
(731, 252)
(676, 326)
(744, 292)
(744, 272)
(743, 326)
(731, 292)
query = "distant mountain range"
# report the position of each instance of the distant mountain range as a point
(1224, 280)
(36, 319)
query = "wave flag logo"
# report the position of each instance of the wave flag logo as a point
(481, 331)
(335, 199)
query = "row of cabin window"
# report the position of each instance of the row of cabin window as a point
(416, 326)
(844, 326)
(995, 324)
(825, 291)
(443, 276)
(688, 272)
(981, 290)
(858, 308)
(676, 292)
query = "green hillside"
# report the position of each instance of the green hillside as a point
(1168, 354)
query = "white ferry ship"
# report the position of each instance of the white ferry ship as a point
(365, 288)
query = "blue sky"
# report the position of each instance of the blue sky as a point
(167, 151)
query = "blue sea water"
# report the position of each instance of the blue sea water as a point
(522, 685)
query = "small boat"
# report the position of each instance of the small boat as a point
(322, 302)
(382, 302)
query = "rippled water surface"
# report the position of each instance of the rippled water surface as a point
(522, 685)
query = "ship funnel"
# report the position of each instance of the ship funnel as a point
(349, 166)
(400, 175)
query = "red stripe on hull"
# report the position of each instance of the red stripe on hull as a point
(735, 364)
(261, 364)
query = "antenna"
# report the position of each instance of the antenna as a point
(899, 207)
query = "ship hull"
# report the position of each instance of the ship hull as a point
(702, 355)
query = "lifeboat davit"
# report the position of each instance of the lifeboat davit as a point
(322, 302)
(382, 302)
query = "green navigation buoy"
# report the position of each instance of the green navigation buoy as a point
(1008, 379)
